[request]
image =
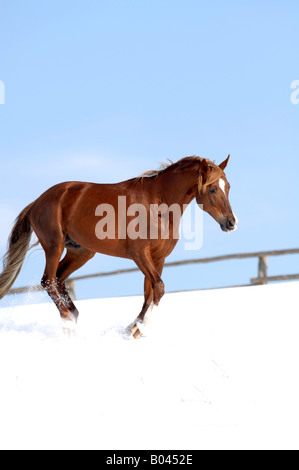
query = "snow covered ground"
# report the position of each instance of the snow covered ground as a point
(217, 369)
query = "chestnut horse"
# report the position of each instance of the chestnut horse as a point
(65, 217)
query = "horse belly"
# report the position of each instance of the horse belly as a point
(92, 222)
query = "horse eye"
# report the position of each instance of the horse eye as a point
(212, 191)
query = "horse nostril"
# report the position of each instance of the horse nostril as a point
(230, 224)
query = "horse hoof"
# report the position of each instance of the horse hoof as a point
(136, 332)
(69, 332)
(69, 328)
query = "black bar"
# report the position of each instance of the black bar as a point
(149, 458)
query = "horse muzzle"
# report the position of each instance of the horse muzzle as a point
(228, 224)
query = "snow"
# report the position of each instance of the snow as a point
(216, 369)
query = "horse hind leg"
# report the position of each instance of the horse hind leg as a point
(45, 220)
(74, 259)
(49, 281)
(67, 300)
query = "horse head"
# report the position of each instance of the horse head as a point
(213, 194)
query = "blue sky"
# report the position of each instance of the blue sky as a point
(104, 90)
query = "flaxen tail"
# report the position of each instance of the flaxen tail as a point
(18, 245)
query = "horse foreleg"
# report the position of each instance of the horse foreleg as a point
(148, 299)
(153, 291)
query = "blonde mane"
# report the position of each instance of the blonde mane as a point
(215, 173)
(163, 167)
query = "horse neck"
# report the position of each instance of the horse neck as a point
(178, 187)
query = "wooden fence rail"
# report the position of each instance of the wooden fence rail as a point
(262, 278)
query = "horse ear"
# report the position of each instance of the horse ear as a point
(223, 165)
(204, 172)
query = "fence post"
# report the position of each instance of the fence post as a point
(70, 285)
(263, 269)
